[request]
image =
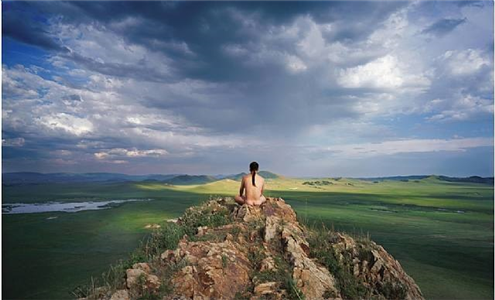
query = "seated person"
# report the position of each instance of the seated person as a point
(253, 184)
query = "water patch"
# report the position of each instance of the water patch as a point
(30, 208)
(451, 211)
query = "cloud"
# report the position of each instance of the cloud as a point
(68, 123)
(380, 73)
(27, 32)
(120, 152)
(465, 62)
(465, 107)
(406, 146)
(15, 142)
(237, 81)
(443, 27)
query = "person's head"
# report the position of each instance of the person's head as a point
(253, 168)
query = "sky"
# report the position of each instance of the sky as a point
(354, 89)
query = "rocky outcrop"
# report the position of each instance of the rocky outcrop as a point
(262, 252)
(374, 267)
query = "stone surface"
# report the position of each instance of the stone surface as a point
(139, 280)
(266, 288)
(218, 270)
(377, 267)
(120, 295)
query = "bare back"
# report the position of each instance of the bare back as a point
(253, 193)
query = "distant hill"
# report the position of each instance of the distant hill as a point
(20, 178)
(264, 174)
(269, 175)
(190, 179)
(396, 178)
(472, 179)
(37, 178)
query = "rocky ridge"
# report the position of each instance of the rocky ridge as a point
(229, 251)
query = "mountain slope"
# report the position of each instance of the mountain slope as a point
(221, 250)
(264, 174)
(190, 179)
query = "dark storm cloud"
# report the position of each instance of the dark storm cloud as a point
(204, 26)
(444, 26)
(21, 26)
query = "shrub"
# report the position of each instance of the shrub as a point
(350, 287)
(393, 291)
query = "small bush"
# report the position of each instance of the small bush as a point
(205, 216)
(350, 287)
(225, 261)
(282, 274)
(255, 257)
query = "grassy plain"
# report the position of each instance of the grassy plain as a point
(441, 232)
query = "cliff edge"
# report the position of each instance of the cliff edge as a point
(220, 250)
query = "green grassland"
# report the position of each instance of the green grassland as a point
(441, 232)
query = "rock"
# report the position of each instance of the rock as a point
(313, 280)
(120, 295)
(237, 259)
(267, 264)
(266, 288)
(379, 271)
(229, 237)
(152, 282)
(167, 256)
(271, 227)
(220, 271)
(133, 276)
(138, 280)
(142, 266)
(202, 230)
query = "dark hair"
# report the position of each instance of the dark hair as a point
(253, 167)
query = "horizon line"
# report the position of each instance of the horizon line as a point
(218, 174)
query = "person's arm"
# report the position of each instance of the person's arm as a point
(262, 188)
(241, 190)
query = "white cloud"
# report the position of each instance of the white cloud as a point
(294, 64)
(465, 62)
(68, 123)
(383, 72)
(392, 31)
(386, 72)
(461, 108)
(133, 152)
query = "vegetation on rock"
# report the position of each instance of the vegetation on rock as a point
(222, 250)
